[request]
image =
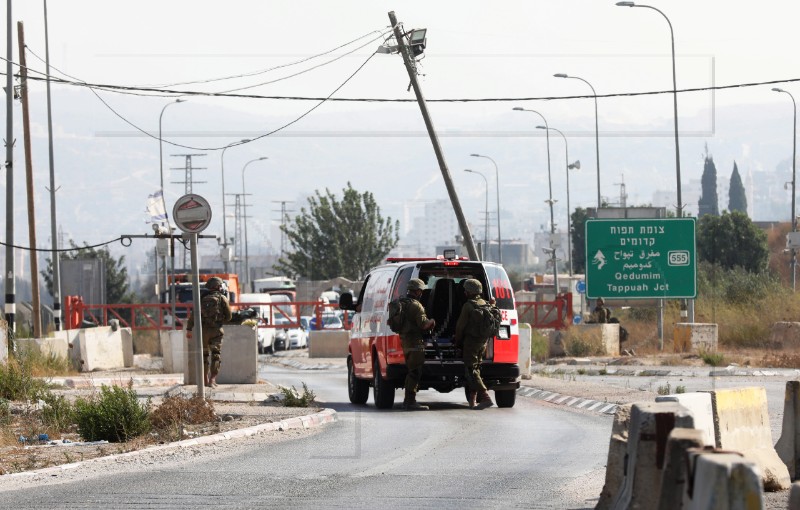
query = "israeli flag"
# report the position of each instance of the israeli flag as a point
(155, 208)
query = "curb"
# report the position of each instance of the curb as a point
(299, 422)
(305, 366)
(730, 371)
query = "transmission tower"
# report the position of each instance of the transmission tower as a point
(623, 195)
(284, 212)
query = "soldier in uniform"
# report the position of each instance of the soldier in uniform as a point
(215, 311)
(601, 314)
(415, 325)
(473, 347)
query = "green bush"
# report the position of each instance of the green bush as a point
(5, 412)
(539, 346)
(713, 359)
(291, 398)
(115, 415)
(17, 382)
(57, 412)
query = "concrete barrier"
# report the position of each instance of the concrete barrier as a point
(723, 481)
(675, 475)
(173, 342)
(694, 337)
(328, 343)
(788, 446)
(794, 497)
(617, 448)
(53, 346)
(239, 357)
(650, 425)
(102, 348)
(525, 351)
(699, 406)
(603, 338)
(741, 423)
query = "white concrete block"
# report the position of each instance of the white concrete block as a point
(328, 343)
(695, 337)
(173, 348)
(699, 406)
(724, 481)
(53, 346)
(525, 350)
(239, 357)
(100, 349)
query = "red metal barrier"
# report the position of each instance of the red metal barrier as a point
(153, 316)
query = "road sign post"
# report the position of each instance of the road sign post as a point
(192, 215)
(641, 258)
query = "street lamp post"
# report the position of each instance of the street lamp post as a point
(497, 180)
(674, 100)
(486, 211)
(224, 254)
(164, 204)
(596, 131)
(244, 213)
(568, 166)
(794, 181)
(550, 194)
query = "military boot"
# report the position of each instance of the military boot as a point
(472, 397)
(410, 402)
(483, 400)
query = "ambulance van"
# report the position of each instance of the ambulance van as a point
(375, 355)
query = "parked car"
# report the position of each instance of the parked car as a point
(329, 321)
(292, 337)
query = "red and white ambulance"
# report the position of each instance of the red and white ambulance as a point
(375, 356)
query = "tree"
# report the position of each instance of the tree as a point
(732, 240)
(708, 203)
(737, 200)
(116, 274)
(338, 238)
(579, 218)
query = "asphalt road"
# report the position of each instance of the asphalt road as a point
(534, 455)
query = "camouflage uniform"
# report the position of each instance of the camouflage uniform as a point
(601, 314)
(212, 333)
(473, 347)
(413, 345)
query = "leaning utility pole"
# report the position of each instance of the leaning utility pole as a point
(10, 278)
(448, 181)
(36, 315)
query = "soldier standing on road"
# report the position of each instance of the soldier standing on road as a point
(215, 310)
(415, 325)
(473, 347)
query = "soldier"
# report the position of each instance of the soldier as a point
(473, 347)
(601, 314)
(415, 325)
(215, 311)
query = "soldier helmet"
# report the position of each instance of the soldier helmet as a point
(601, 301)
(473, 286)
(214, 283)
(415, 284)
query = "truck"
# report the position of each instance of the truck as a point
(181, 285)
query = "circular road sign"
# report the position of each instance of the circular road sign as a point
(580, 286)
(577, 319)
(191, 213)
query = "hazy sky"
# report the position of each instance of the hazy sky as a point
(506, 49)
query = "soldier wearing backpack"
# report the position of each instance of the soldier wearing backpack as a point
(472, 335)
(414, 325)
(215, 310)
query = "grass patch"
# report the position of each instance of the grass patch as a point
(175, 412)
(291, 397)
(539, 346)
(17, 381)
(714, 359)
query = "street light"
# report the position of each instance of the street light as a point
(224, 255)
(794, 181)
(244, 208)
(164, 204)
(674, 100)
(497, 179)
(486, 224)
(569, 166)
(596, 131)
(550, 190)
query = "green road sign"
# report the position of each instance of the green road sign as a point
(631, 259)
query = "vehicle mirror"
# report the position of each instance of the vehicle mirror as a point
(346, 301)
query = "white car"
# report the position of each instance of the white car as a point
(294, 338)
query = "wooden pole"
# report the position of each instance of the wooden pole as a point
(36, 316)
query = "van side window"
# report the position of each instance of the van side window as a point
(500, 287)
(401, 282)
